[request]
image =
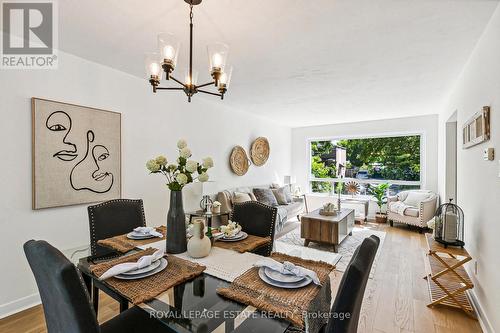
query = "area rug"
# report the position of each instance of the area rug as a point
(291, 243)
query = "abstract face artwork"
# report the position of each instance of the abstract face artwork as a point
(94, 169)
(59, 122)
(76, 154)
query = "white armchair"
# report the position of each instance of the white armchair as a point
(413, 207)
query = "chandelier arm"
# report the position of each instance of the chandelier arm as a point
(169, 88)
(206, 84)
(209, 93)
(179, 82)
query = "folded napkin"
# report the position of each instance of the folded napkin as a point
(143, 261)
(289, 269)
(148, 231)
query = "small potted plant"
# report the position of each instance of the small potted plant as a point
(379, 193)
(216, 207)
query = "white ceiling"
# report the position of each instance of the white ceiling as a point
(300, 62)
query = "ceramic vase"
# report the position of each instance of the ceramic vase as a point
(199, 245)
(215, 210)
(176, 224)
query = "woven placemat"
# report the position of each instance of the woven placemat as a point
(138, 291)
(123, 244)
(246, 245)
(298, 306)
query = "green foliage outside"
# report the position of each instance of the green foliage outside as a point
(389, 158)
(392, 158)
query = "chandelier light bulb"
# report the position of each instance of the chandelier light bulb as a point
(168, 52)
(168, 46)
(154, 68)
(217, 56)
(217, 61)
(225, 77)
(152, 65)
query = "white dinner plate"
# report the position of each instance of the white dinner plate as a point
(137, 235)
(307, 280)
(241, 236)
(146, 269)
(163, 265)
(280, 277)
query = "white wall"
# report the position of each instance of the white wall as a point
(151, 125)
(478, 180)
(425, 125)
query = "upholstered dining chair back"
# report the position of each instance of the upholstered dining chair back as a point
(352, 288)
(256, 219)
(65, 299)
(112, 218)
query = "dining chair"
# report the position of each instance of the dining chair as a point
(256, 219)
(112, 218)
(352, 288)
(108, 219)
(66, 302)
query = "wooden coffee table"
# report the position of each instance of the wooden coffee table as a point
(327, 229)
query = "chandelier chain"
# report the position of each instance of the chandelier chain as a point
(191, 13)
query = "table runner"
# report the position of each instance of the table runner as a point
(305, 308)
(123, 244)
(138, 291)
(246, 245)
(224, 264)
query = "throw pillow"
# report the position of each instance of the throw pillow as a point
(239, 197)
(266, 196)
(288, 195)
(415, 198)
(279, 194)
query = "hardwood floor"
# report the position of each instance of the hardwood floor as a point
(395, 299)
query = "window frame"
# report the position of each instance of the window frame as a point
(420, 183)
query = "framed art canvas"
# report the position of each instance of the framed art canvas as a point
(477, 129)
(76, 154)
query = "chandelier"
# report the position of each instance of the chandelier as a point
(166, 60)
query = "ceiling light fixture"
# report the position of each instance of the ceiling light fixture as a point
(166, 61)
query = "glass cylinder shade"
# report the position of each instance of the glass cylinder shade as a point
(225, 77)
(191, 81)
(217, 56)
(152, 64)
(169, 46)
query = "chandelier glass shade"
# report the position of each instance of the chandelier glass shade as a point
(161, 65)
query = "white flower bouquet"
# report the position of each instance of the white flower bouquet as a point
(184, 172)
(231, 229)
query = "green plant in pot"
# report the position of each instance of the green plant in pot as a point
(379, 193)
(178, 174)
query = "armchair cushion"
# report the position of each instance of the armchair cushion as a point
(415, 198)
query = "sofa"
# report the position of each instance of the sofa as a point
(413, 207)
(285, 212)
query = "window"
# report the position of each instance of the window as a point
(367, 162)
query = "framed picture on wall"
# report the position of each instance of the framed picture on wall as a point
(76, 154)
(477, 129)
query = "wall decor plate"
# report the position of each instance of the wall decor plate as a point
(76, 154)
(239, 161)
(259, 151)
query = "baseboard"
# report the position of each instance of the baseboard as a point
(18, 305)
(482, 318)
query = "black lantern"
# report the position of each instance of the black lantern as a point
(449, 228)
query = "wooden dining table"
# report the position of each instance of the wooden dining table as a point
(192, 306)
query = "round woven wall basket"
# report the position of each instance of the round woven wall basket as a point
(239, 161)
(260, 151)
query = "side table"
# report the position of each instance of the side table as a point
(446, 276)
